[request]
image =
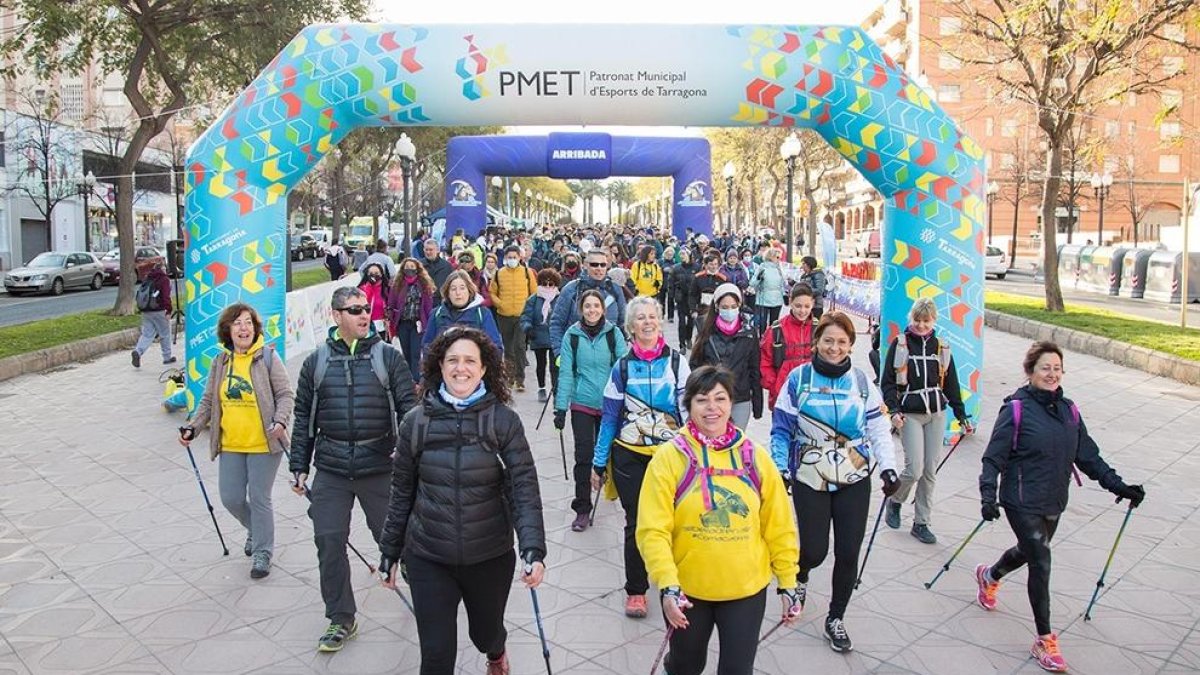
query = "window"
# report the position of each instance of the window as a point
(1112, 129)
(1169, 131)
(949, 93)
(1007, 161)
(948, 61)
(1132, 129)
(989, 127)
(1172, 65)
(1131, 100)
(949, 25)
(1111, 166)
(1174, 32)
(72, 101)
(1171, 98)
(1008, 128)
(1168, 163)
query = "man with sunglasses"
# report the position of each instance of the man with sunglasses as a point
(352, 392)
(566, 308)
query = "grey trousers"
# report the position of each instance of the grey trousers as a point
(332, 499)
(922, 437)
(740, 416)
(514, 346)
(155, 324)
(246, 480)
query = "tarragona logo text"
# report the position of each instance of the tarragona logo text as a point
(579, 154)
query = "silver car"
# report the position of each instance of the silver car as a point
(55, 272)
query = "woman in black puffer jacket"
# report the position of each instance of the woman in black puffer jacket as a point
(463, 480)
(728, 338)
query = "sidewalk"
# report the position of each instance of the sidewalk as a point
(108, 560)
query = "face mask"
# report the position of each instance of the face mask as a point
(375, 278)
(410, 274)
(746, 260)
(728, 315)
(510, 263)
(572, 265)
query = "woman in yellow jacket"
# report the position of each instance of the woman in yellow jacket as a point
(646, 273)
(714, 525)
(248, 402)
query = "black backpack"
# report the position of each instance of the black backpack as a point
(612, 350)
(148, 297)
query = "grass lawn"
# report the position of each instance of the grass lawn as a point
(35, 335)
(309, 277)
(1181, 342)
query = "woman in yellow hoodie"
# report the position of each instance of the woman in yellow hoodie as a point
(714, 525)
(646, 273)
(248, 402)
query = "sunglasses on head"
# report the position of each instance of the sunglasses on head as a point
(354, 309)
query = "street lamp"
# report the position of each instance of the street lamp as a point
(789, 151)
(992, 190)
(516, 200)
(498, 184)
(407, 152)
(1100, 187)
(728, 173)
(528, 203)
(86, 185)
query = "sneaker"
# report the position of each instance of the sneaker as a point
(580, 523)
(260, 565)
(499, 666)
(1045, 650)
(923, 534)
(987, 589)
(167, 362)
(542, 395)
(249, 548)
(335, 637)
(136, 358)
(635, 606)
(892, 516)
(839, 639)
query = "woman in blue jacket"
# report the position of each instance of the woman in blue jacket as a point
(535, 323)
(590, 348)
(461, 306)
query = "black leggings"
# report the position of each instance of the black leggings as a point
(585, 428)
(436, 591)
(847, 509)
(737, 623)
(687, 323)
(1034, 533)
(629, 470)
(543, 357)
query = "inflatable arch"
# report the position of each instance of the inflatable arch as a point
(579, 155)
(331, 79)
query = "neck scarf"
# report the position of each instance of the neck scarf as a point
(725, 440)
(461, 404)
(729, 328)
(547, 293)
(830, 369)
(649, 354)
(593, 329)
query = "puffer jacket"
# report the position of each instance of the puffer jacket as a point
(583, 374)
(736, 274)
(537, 331)
(474, 315)
(511, 288)
(767, 283)
(457, 499)
(738, 353)
(1035, 475)
(353, 426)
(922, 395)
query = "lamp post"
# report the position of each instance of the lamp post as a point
(541, 213)
(528, 203)
(992, 190)
(498, 185)
(1100, 186)
(86, 185)
(515, 210)
(789, 151)
(407, 152)
(728, 173)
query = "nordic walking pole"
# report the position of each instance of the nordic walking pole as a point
(537, 615)
(595, 505)
(772, 631)
(1087, 614)
(543, 415)
(187, 434)
(562, 445)
(961, 546)
(662, 649)
(867, 555)
(952, 449)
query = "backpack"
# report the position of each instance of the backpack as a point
(612, 349)
(747, 473)
(804, 384)
(148, 297)
(900, 361)
(487, 420)
(335, 260)
(324, 358)
(778, 346)
(1016, 417)
(674, 365)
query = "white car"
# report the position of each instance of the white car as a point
(995, 262)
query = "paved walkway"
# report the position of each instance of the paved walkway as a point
(108, 561)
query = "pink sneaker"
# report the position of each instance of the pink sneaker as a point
(987, 590)
(1045, 650)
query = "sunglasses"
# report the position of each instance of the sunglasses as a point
(356, 310)
(597, 264)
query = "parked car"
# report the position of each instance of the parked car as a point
(303, 246)
(322, 236)
(112, 261)
(867, 244)
(995, 262)
(54, 272)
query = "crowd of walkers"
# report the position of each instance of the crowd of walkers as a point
(406, 408)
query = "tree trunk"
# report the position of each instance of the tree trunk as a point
(126, 165)
(810, 225)
(1051, 186)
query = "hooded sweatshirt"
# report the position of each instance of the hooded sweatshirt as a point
(241, 426)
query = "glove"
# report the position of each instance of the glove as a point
(1134, 493)
(794, 601)
(187, 433)
(560, 419)
(385, 566)
(787, 483)
(990, 511)
(890, 482)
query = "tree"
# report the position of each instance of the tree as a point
(1064, 58)
(172, 53)
(817, 169)
(43, 144)
(1016, 185)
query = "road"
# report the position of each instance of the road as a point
(1143, 309)
(28, 308)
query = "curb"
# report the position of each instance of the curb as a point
(73, 352)
(1121, 353)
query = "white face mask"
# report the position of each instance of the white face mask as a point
(728, 315)
(509, 262)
